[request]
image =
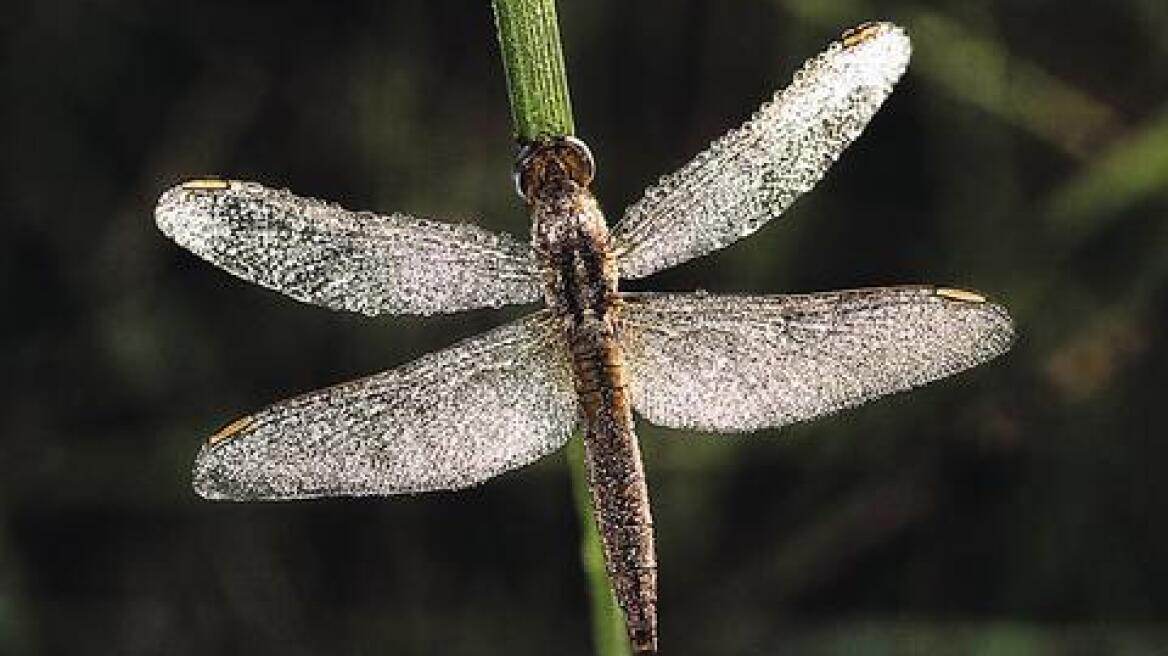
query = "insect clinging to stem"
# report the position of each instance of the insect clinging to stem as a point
(594, 354)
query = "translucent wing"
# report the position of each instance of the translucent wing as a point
(742, 363)
(445, 421)
(754, 173)
(320, 253)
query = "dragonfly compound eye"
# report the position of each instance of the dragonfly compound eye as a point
(538, 162)
(578, 157)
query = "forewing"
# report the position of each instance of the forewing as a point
(755, 172)
(321, 253)
(446, 421)
(743, 363)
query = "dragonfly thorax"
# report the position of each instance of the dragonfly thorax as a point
(568, 231)
(571, 240)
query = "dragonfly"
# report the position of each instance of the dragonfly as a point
(593, 355)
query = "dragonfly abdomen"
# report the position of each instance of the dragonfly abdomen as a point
(616, 477)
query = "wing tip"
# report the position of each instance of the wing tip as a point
(999, 331)
(206, 480)
(208, 476)
(208, 184)
(868, 31)
(173, 203)
(884, 41)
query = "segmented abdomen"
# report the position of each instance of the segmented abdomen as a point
(617, 478)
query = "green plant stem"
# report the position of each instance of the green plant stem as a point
(537, 84)
(529, 38)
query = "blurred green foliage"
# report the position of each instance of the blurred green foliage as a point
(1016, 509)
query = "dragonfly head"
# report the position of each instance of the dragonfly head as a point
(552, 166)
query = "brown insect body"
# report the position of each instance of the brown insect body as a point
(571, 238)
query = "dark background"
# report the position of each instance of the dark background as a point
(1015, 509)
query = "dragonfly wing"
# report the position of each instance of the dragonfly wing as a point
(320, 253)
(743, 363)
(754, 173)
(446, 421)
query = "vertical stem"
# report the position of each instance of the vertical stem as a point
(534, 62)
(537, 84)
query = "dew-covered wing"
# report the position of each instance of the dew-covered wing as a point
(743, 363)
(321, 253)
(446, 421)
(754, 173)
